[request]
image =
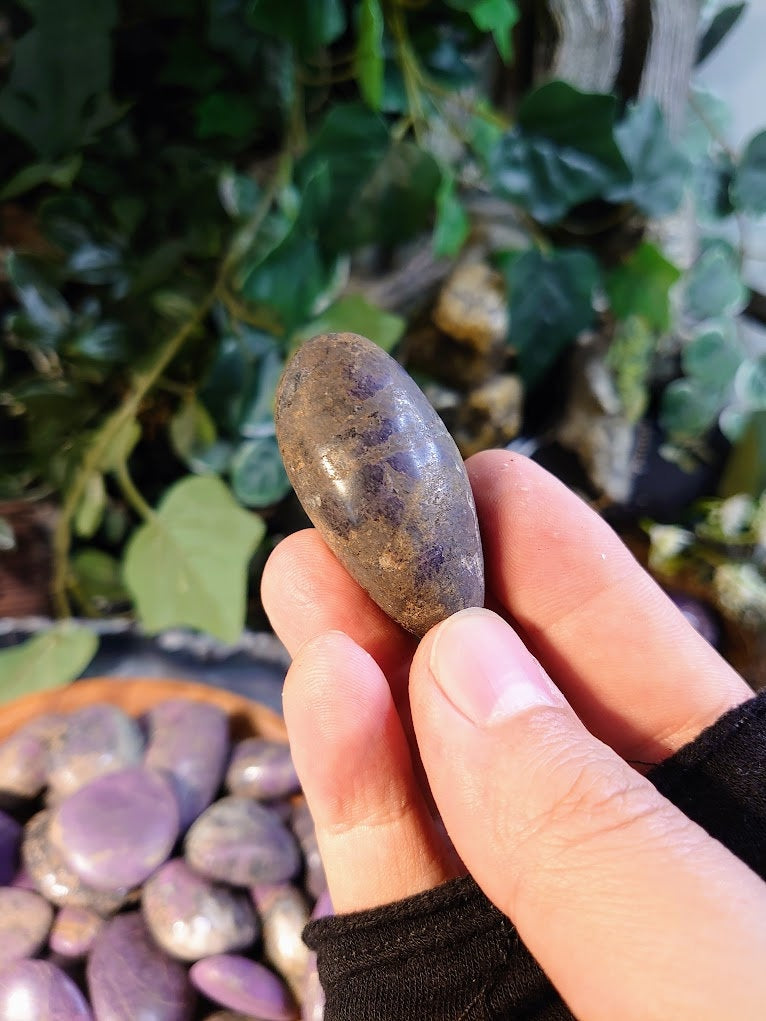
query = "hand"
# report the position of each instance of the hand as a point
(630, 908)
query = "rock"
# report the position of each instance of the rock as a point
(262, 769)
(243, 985)
(75, 931)
(96, 740)
(45, 992)
(117, 829)
(239, 841)
(472, 310)
(10, 841)
(312, 997)
(490, 415)
(129, 977)
(25, 921)
(228, 1015)
(23, 880)
(189, 742)
(302, 825)
(191, 917)
(24, 758)
(284, 914)
(381, 478)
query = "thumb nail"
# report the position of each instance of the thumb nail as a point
(486, 671)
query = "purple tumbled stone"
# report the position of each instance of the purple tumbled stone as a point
(74, 932)
(240, 984)
(96, 740)
(189, 742)
(10, 844)
(312, 996)
(116, 830)
(24, 758)
(302, 825)
(284, 914)
(39, 991)
(262, 769)
(25, 921)
(240, 841)
(129, 977)
(191, 917)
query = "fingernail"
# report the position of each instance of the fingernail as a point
(485, 670)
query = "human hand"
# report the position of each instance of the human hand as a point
(630, 908)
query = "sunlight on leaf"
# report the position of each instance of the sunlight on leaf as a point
(46, 661)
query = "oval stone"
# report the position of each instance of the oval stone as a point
(129, 977)
(96, 740)
(302, 825)
(24, 758)
(240, 984)
(312, 996)
(45, 991)
(10, 842)
(116, 830)
(25, 921)
(239, 841)
(262, 769)
(191, 917)
(284, 914)
(74, 932)
(189, 742)
(381, 478)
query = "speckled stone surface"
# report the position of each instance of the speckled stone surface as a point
(244, 985)
(96, 740)
(25, 921)
(284, 914)
(45, 992)
(381, 478)
(262, 769)
(74, 932)
(24, 757)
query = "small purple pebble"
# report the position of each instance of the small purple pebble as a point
(262, 769)
(74, 932)
(45, 992)
(240, 984)
(10, 845)
(25, 921)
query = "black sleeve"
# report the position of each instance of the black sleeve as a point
(450, 955)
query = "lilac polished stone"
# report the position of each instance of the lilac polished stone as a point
(189, 741)
(24, 757)
(312, 996)
(191, 917)
(25, 921)
(130, 978)
(240, 984)
(96, 740)
(74, 932)
(302, 825)
(262, 769)
(39, 991)
(118, 829)
(10, 843)
(239, 841)
(284, 914)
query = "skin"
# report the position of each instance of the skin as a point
(523, 734)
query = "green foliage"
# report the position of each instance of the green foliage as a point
(495, 16)
(714, 286)
(749, 185)
(630, 358)
(46, 661)
(658, 170)
(369, 61)
(640, 286)
(452, 226)
(719, 26)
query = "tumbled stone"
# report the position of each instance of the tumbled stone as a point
(117, 829)
(312, 995)
(284, 914)
(129, 977)
(228, 1015)
(24, 758)
(25, 921)
(54, 879)
(381, 478)
(239, 841)
(302, 825)
(189, 742)
(39, 991)
(262, 769)
(96, 740)
(10, 841)
(244, 985)
(74, 932)
(191, 917)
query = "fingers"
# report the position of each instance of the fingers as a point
(377, 839)
(631, 666)
(582, 853)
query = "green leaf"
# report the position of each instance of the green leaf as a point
(258, 477)
(714, 284)
(452, 225)
(750, 383)
(354, 314)
(60, 174)
(723, 22)
(90, 513)
(42, 303)
(551, 301)
(640, 286)
(658, 170)
(226, 115)
(689, 409)
(187, 566)
(713, 355)
(46, 661)
(239, 194)
(192, 429)
(306, 24)
(562, 151)
(98, 578)
(630, 358)
(748, 190)
(369, 62)
(745, 471)
(100, 342)
(495, 16)
(708, 119)
(122, 445)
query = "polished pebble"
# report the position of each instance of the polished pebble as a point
(39, 991)
(191, 917)
(10, 843)
(284, 914)
(74, 932)
(302, 825)
(24, 757)
(240, 984)
(130, 978)
(240, 841)
(262, 769)
(96, 740)
(25, 921)
(117, 829)
(312, 995)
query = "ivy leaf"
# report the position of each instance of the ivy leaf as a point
(495, 16)
(748, 190)
(720, 26)
(45, 309)
(100, 342)
(369, 62)
(713, 355)
(354, 314)
(92, 505)
(258, 476)
(239, 194)
(750, 383)
(562, 151)
(551, 301)
(658, 170)
(714, 284)
(192, 430)
(452, 225)
(640, 286)
(99, 578)
(187, 566)
(60, 175)
(689, 409)
(306, 24)
(630, 358)
(48, 660)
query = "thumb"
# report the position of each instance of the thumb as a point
(631, 909)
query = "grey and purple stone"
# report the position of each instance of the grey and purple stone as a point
(312, 997)
(381, 478)
(240, 984)
(96, 740)
(303, 827)
(129, 976)
(25, 921)
(189, 742)
(45, 993)
(24, 758)
(10, 843)
(117, 829)
(74, 932)
(284, 914)
(262, 769)
(55, 880)
(191, 917)
(23, 880)
(239, 841)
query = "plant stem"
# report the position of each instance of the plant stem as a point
(131, 493)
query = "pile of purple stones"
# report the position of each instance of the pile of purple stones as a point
(154, 869)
